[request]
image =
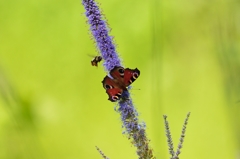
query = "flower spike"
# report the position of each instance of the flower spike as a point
(134, 129)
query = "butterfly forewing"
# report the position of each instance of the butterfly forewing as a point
(112, 89)
(114, 94)
(117, 73)
(109, 83)
(130, 76)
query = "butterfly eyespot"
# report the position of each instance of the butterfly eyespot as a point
(114, 98)
(108, 86)
(121, 71)
(135, 75)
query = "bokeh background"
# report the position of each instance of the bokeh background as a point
(53, 106)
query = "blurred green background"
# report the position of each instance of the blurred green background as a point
(53, 106)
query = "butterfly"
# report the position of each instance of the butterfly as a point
(121, 78)
(96, 60)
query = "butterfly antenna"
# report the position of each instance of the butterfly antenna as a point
(136, 89)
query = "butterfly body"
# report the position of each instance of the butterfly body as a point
(96, 60)
(121, 78)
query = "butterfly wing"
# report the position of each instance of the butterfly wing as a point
(117, 73)
(125, 77)
(121, 79)
(112, 89)
(130, 75)
(114, 94)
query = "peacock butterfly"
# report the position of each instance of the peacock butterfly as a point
(96, 60)
(121, 78)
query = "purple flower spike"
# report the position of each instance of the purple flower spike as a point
(134, 129)
(100, 31)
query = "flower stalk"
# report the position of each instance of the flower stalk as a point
(101, 153)
(175, 155)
